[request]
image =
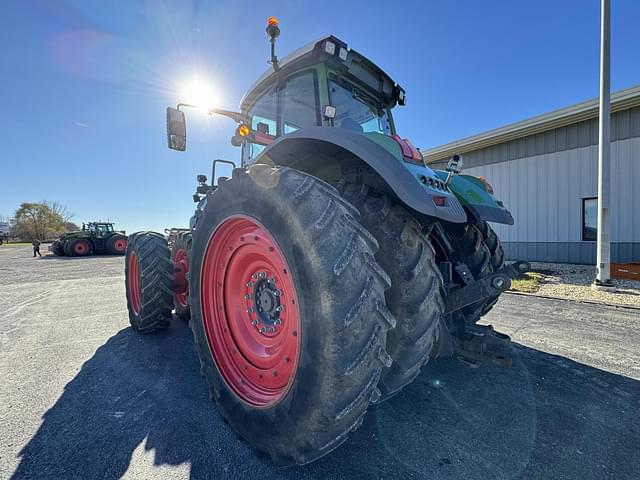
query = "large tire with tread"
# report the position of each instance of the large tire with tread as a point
(180, 253)
(415, 297)
(479, 247)
(116, 244)
(57, 248)
(148, 281)
(341, 312)
(79, 247)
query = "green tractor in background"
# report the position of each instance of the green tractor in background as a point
(331, 265)
(95, 238)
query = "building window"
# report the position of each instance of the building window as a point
(589, 219)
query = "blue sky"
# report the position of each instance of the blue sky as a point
(85, 84)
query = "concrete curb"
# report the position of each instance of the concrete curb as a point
(591, 302)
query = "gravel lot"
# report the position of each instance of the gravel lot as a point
(84, 397)
(574, 282)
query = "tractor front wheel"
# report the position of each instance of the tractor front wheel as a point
(148, 281)
(478, 246)
(116, 245)
(288, 311)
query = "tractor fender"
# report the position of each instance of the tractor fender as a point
(318, 150)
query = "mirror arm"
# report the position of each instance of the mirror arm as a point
(235, 116)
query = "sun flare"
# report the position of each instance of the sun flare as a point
(199, 93)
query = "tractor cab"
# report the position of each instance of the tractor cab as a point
(324, 84)
(326, 109)
(100, 229)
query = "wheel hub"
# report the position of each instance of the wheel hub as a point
(265, 300)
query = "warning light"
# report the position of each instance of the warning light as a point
(244, 130)
(272, 21)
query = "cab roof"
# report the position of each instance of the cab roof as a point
(356, 65)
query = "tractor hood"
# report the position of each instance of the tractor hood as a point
(476, 198)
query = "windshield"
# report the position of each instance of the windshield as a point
(356, 110)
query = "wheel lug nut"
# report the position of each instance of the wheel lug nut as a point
(254, 323)
(249, 284)
(251, 310)
(277, 293)
(263, 330)
(247, 296)
(254, 276)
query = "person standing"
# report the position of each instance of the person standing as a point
(36, 247)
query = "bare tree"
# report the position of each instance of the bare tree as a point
(58, 209)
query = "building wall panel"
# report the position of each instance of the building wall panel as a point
(545, 192)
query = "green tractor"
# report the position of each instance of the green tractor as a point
(332, 264)
(95, 238)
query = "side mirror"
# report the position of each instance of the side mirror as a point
(176, 129)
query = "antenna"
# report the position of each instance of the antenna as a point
(273, 32)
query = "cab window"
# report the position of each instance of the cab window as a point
(299, 98)
(356, 110)
(264, 111)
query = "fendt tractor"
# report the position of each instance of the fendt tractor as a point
(331, 265)
(95, 238)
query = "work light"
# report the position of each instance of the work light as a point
(330, 47)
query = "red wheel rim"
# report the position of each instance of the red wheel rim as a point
(133, 283)
(120, 244)
(81, 248)
(253, 332)
(180, 270)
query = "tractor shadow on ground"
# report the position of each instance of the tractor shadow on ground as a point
(547, 417)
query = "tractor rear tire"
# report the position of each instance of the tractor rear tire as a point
(78, 248)
(149, 282)
(415, 297)
(299, 399)
(479, 247)
(116, 244)
(180, 253)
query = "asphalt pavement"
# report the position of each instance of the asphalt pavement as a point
(83, 396)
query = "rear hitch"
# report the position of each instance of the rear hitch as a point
(473, 344)
(486, 287)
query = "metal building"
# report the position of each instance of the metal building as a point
(545, 171)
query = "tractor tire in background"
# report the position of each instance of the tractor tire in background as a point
(415, 297)
(78, 248)
(57, 248)
(479, 247)
(116, 244)
(149, 282)
(288, 311)
(180, 252)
